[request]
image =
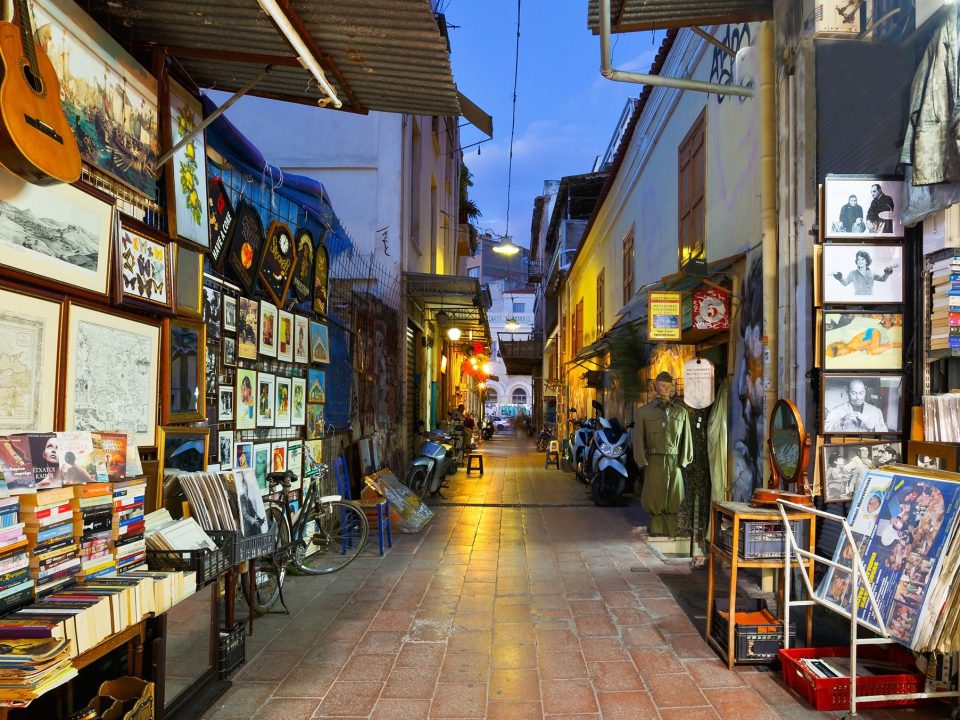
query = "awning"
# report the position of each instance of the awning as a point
(477, 117)
(462, 301)
(633, 15)
(391, 56)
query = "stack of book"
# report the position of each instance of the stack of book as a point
(165, 533)
(16, 585)
(48, 525)
(29, 667)
(128, 524)
(945, 315)
(93, 527)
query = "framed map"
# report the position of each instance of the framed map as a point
(115, 389)
(29, 337)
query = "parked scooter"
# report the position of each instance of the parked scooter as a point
(434, 462)
(544, 438)
(609, 459)
(582, 438)
(488, 430)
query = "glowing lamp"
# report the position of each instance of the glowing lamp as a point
(488, 369)
(506, 247)
(454, 334)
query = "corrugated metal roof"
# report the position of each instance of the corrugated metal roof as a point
(634, 15)
(391, 55)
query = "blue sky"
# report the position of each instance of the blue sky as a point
(566, 111)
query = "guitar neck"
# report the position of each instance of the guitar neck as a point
(26, 34)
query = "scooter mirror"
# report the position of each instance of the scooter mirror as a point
(597, 406)
(572, 411)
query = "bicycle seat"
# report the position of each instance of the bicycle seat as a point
(283, 479)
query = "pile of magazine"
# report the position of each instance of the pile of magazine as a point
(227, 500)
(905, 522)
(29, 667)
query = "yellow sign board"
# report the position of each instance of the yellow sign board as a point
(664, 313)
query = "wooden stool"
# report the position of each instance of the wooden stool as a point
(478, 465)
(553, 455)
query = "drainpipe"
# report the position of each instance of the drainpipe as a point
(768, 224)
(606, 68)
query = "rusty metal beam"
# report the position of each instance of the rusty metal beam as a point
(233, 56)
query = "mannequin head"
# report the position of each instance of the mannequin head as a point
(663, 385)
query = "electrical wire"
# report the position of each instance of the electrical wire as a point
(513, 120)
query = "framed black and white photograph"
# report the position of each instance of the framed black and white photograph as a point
(212, 368)
(225, 404)
(862, 274)
(862, 206)
(844, 465)
(933, 455)
(226, 449)
(229, 313)
(862, 404)
(212, 311)
(862, 341)
(229, 351)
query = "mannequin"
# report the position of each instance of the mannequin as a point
(662, 445)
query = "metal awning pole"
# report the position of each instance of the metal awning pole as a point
(210, 118)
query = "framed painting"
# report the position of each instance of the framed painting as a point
(248, 313)
(109, 99)
(279, 260)
(116, 389)
(862, 341)
(316, 387)
(187, 169)
(245, 399)
(266, 400)
(212, 308)
(844, 465)
(278, 456)
(246, 247)
(862, 207)
(261, 464)
(282, 405)
(862, 404)
(298, 401)
(319, 342)
(184, 370)
(143, 275)
(934, 455)
(229, 351)
(315, 420)
(29, 354)
(243, 455)
(301, 331)
(862, 274)
(189, 282)
(285, 336)
(268, 329)
(59, 233)
(221, 217)
(302, 283)
(229, 312)
(182, 450)
(320, 277)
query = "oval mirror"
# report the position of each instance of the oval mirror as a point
(786, 440)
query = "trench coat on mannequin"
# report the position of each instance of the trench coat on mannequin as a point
(662, 446)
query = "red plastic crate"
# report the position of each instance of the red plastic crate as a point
(834, 693)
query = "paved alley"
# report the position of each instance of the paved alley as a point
(543, 606)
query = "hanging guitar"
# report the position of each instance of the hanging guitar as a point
(36, 142)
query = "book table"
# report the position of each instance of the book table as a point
(739, 513)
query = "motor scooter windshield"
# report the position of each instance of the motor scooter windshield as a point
(433, 450)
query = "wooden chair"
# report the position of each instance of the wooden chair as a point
(377, 511)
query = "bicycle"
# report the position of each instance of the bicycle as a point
(324, 536)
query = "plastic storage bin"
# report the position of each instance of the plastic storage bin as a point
(238, 549)
(208, 564)
(760, 540)
(233, 650)
(754, 643)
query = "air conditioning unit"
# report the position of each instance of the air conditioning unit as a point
(594, 378)
(841, 17)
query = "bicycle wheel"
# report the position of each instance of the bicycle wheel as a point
(334, 534)
(269, 577)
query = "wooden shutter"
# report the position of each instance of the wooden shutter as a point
(692, 168)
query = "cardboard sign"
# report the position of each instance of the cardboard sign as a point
(664, 311)
(711, 309)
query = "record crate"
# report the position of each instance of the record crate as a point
(238, 548)
(834, 693)
(232, 650)
(760, 539)
(207, 564)
(755, 643)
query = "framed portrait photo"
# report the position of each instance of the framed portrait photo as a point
(862, 206)
(225, 454)
(282, 406)
(189, 282)
(243, 455)
(30, 349)
(143, 276)
(278, 456)
(182, 450)
(268, 329)
(60, 233)
(862, 404)
(225, 404)
(285, 336)
(248, 328)
(115, 389)
(301, 336)
(279, 260)
(245, 397)
(316, 386)
(184, 370)
(862, 341)
(229, 312)
(844, 465)
(862, 274)
(266, 399)
(229, 351)
(212, 308)
(298, 401)
(319, 342)
(212, 368)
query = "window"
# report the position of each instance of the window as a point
(628, 267)
(578, 327)
(473, 272)
(519, 396)
(692, 206)
(491, 395)
(519, 307)
(600, 303)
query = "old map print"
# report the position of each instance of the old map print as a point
(21, 367)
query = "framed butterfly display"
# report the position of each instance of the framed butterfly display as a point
(143, 277)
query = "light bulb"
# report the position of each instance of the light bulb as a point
(454, 334)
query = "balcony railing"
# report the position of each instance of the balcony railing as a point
(521, 353)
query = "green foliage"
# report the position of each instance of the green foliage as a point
(468, 208)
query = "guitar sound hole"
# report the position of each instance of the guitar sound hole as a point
(35, 82)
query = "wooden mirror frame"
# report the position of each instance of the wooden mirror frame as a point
(780, 484)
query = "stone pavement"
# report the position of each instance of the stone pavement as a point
(506, 612)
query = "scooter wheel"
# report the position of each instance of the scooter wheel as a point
(604, 490)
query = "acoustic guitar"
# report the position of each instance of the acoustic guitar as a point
(36, 142)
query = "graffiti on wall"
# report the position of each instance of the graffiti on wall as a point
(746, 393)
(723, 64)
